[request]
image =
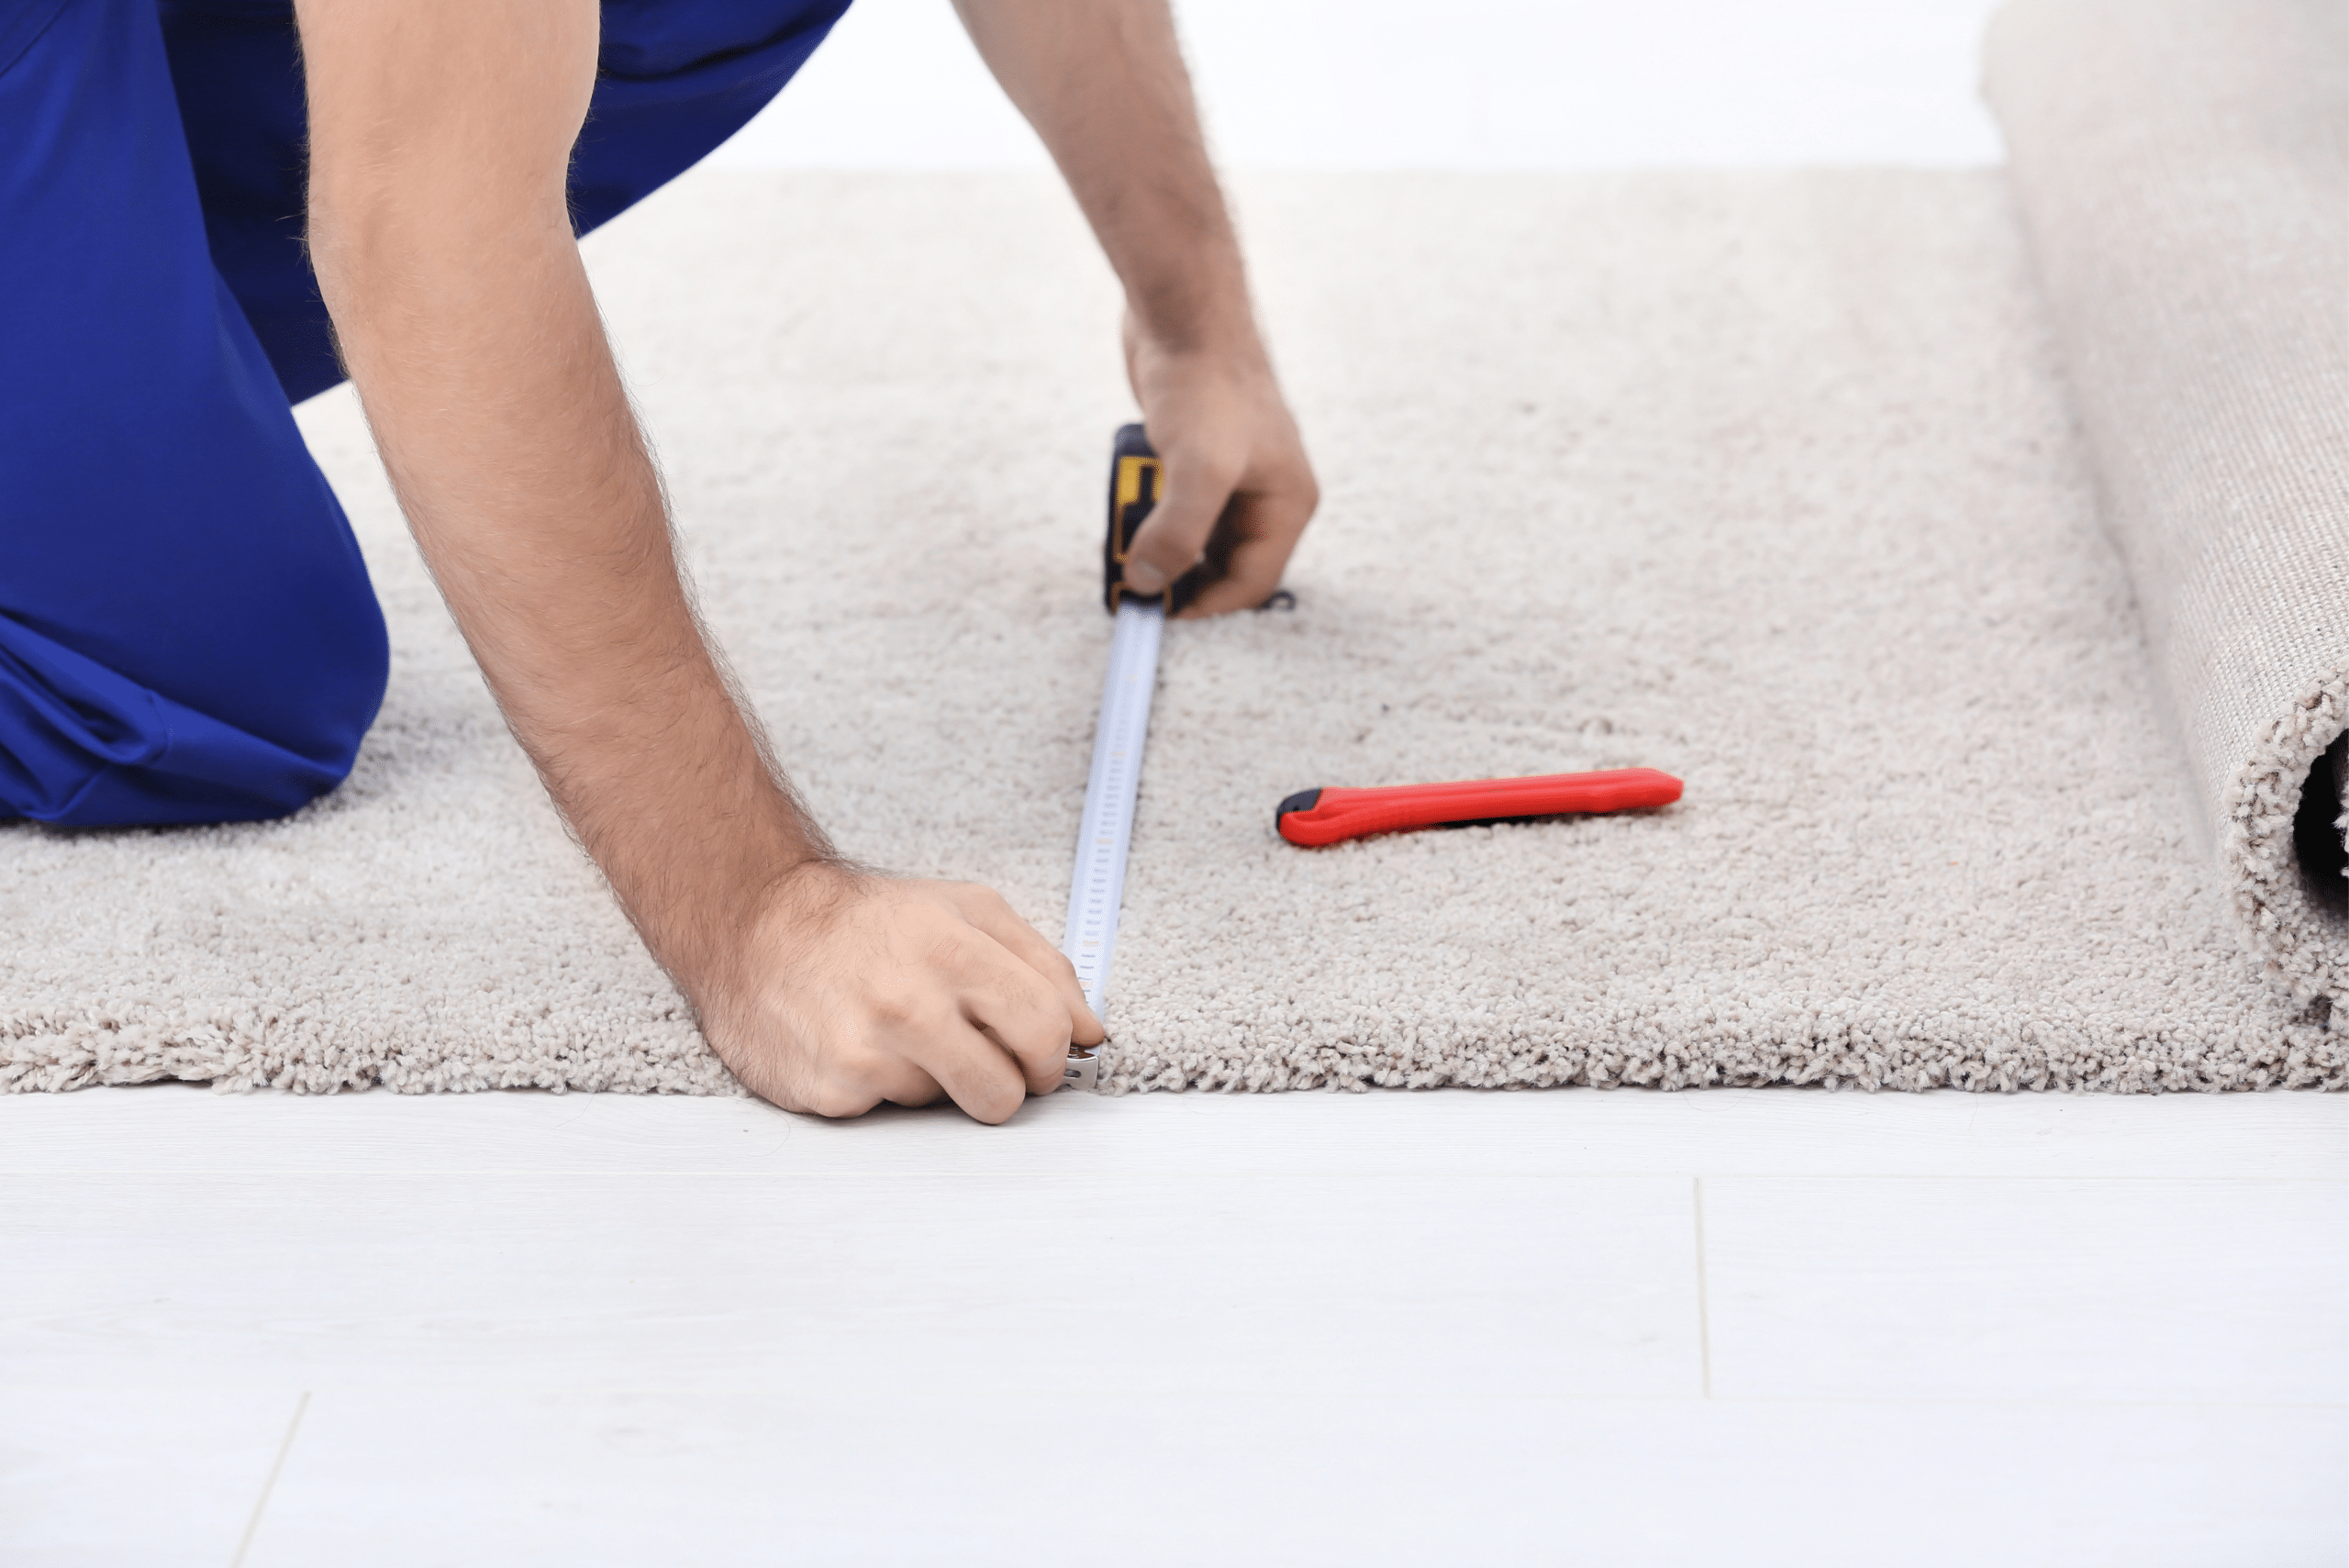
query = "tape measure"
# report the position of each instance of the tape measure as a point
(1105, 832)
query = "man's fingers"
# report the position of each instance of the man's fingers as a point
(1176, 533)
(975, 1072)
(1019, 1009)
(1262, 534)
(985, 909)
(853, 1083)
(995, 1029)
(907, 1085)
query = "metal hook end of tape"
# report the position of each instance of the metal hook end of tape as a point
(1084, 1068)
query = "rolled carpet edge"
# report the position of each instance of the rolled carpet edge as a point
(2297, 926)
(2182, 171)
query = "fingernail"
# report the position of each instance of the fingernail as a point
(1144, 578)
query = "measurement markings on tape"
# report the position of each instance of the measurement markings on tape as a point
(1100, 883)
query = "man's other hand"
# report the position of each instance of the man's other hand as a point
(1236, 488)
(1103, 83)
(846, 990)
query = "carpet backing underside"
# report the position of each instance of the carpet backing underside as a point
(1767, 480)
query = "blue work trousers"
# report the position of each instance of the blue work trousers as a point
(187, 633)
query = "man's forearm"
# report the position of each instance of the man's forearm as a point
(441, 140)
(1103, 83)
(447, 260)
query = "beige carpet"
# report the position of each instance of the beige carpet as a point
(1765, 480)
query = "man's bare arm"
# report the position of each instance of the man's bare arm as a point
(1102, 81)
(440, 139)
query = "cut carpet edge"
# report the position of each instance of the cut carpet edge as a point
(89, 1054)
(2306, 1054)
(49, 1056)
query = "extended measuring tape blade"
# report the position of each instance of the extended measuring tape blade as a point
(1119, 734)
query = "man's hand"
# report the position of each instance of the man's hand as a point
(440, 135)
(1236, 490)
(852, 990)
(1102, 81)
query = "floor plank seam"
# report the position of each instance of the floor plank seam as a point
(1704, 1307)
(269, 1485)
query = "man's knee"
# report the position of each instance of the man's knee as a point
(84, 744)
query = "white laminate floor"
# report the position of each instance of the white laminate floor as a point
(1732, 1328)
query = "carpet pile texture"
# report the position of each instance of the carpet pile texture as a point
(1774, 481)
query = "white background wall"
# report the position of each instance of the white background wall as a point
(1443, 84)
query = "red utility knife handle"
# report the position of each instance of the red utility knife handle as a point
(1322, 817)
